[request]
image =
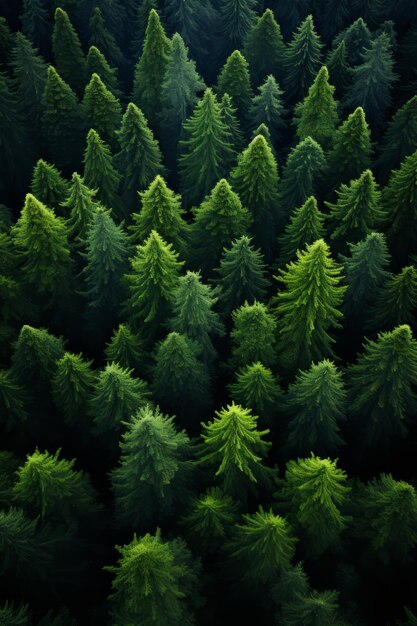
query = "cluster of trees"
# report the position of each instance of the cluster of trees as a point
(208, 298)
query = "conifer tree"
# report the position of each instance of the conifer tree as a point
(357, 38)
(62, 122)
(306, 225)
(205, 150)
(316, 607)
(12, 401)
(102, 110)
(236, 18)
(234, 79)
(150, 69)
(316, 491)
(36, 23)
(96, 63)
(69, 57)
(81, 206)
(340, 72)
(292, 584)
(236, 142)
(336, 16)
(264, 48)
(400, 139)
(139, 159)
(317, 404)
(382, 384)
(9, 616)
(72, 386)
(257, 389)
(241, 275)
(290, 14)
(152, 469)
(255, 179)
(104, 40)
(253, 336)
(48, 185)
(396, 302)
(234, 447)
(267, 108)
(125, 348)
(309, 306)
(220, 219)
(99, 172)
(141, 14)
(302, 62)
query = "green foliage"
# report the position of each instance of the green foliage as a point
(12, 401)
(306, 226)
(36, 23)
(267, 108)
(48, 185)
(211, 519)
(234, 79)
(315, 609)
(357, 38)
(302, 61)
(81, 206)
(104, 40)
(264, 48)
(292, 584)
(339, 70)
(396, 303)
(69, 57)
(194, 21)
(9, 616)
(36, 353)
(236, 18)
(400, 139)
(236, 140)
(258, 389)
(72, 385)
(99, 172)
(96, 63)
(125, 348)
(102, 110)
(253, 336)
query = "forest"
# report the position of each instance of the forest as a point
(208, 312)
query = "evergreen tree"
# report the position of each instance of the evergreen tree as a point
(400, 139)
(309, 306)
(69, 57)
(396, 302)
(257, 389)
(382, 384)
(48, 185)
(72, 385)
(236, 18)
(255, 179)
(104, 40)
(357, 38)
(6, 43)
(292, 584)
(336, 16)
(139, 159)
(12, 401)
(141, 11)
(317, 404)
(125, 348)
(267, 108)
(9, 616)
(302, 62)
(150, 69)
(150, 476)
(99, 172)
(253, 336)
(36, 23)
(234, 79)
(96, 63)
(81, 206)
(241, 275)
(206, 149)
(102, 110)
(313, 609)
(340, 72)
(316, 491)
(234, 446)
(264, 48)
(372, 11)
(236, 141)
(290, 13)
(306, 225)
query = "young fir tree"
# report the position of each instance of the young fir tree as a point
(255, 180)
(357, 38)
(41, 239)
(104, 40)
(253, 336)
(150, 476)
(80, 206)
(302, 61)
(315, 491)
(311, 609)
(62, 122)
(234, 446)
(125, 348)
(193, 314)
(236, 141)
(264, 49)
(396, 303)
(340, 72)
(68, 55)
(102, 110)
(306, 225)
(155, 582)
(317, 404)
(382, 384)
(12, 401)
(357, 210)
(305, 165)
(117, 397)
(308, 306)
(234, 79)
(180, 380)
(99, 171)
(267, 108)
(316, 116)
(258, 389)
(150, 69)
(72, 386)
(352, 150)
(96, 63)
(139, 159)
(48, 185)
(236, 18)
(241, 275)
(206, 150)
(36, 23)
(153, 279)
(220, 219)
(400, 139)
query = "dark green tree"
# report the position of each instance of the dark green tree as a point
(400, 139)
(48, 185)
(72, 385)
(306, 225)
(340, 72)
(102, 110)
(336, 16)
(99, 172)
(264, 49)
(253, 336)
(317, 608)
(396, 302)
(13, 401)
(81, 206)
(357, 38)
(234, 79)
(267, 108)
(141, 11)
(236, 18)
(104, 40)
(236, 142)
(290, 13)
(258, 389)
(35, 357)
(36, 23)
(125, 348)
(96, 63)
(303, 59)
(68, 55)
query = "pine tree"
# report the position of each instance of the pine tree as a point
(150, 69)
(263, 130)
(234, 447)
(139, 159)
(316, 490)
(292, 584)
(150, 476)
(205, 150)
(352, 150)
(264, 49)
(104, 40)
(48, 185)
(69, 57)
(141, 14)
(36, 23)
(357, 210)
(241, 275)
(317, 404)
(340, 72)
(306, 225)
(102, 110)
(96, 63)
(267, 108)
(316, 116)
(236, 142)
(62, 122)
(234, 79)
(253, 336)
(382, 384)
(81, 206)
(372, 11)
(400, 139)
(302, 62)
(396, 302)
(312, 609)
(12, 401)
(125, 348)
(290, 13)
(72, 385)
(357, 38)
(258, 389)
(336, 16)
(99, 172)
(255, 179)
(236, 18)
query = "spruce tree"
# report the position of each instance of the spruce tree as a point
(12, 401)
(36, 23)
(48, 185)
(236, 142)
(316, 402)
(234, 79)
(236, 18)
(258, 389)
(150, 475)
(102, 110)
(290, 14)
(234, 447)
(336, 16)
(139, 159)
(68, 55)
(302, 62)
(313, 609)
(81, 206)
(99, 172)
(357, 38)
(382, 384)
(340, 72)
(141, 14)
(104, 40)
(241, 275)
(396, 302)
(125, 348)
(292, 584)
(96, 63)
(264, 49)
(72, 385)
(400, 139)
(253, 336)
(267, 108)
(306, 225)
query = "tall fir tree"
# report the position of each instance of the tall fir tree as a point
(267, 108)
(104, 40)
(290, 14)
(126, 348)
(80, 205)
(48, 185)
(264, 49)
(68, 54)
(236, 18)
(102, 110)
(357, 38)
(258, 389)
(236, 141)
(253, 336)
(234, 79)
(396, 303)
(141, 15)
(72, 386)
(336, 16)
(96, 63)
(340, 72)
(100, 173)
(400, 139)
(36, 23)
(302, 62)
(306, 225)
